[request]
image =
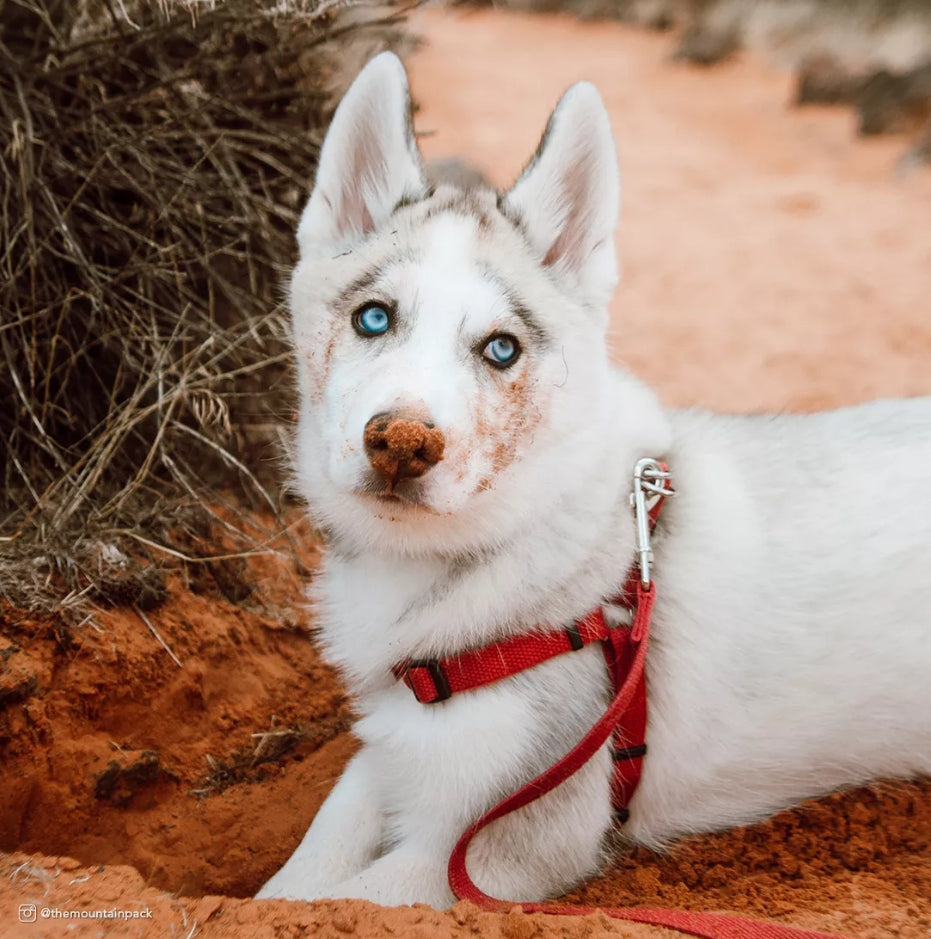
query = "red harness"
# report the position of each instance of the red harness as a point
(624, 722)
(436, 680)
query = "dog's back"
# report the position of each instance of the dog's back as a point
(793, 621)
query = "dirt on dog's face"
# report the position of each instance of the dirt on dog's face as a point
(449, 338)
(430, 334)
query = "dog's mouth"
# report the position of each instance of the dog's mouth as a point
(408, 493)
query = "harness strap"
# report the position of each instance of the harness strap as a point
(459, 880)
(629, 734)
(434, 680)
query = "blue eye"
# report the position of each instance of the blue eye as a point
(371, 320)
(501, 350)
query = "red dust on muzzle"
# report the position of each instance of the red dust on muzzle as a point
(400, 447)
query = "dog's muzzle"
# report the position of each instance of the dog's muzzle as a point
(401, 446)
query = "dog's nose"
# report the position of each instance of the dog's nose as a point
(402, 447)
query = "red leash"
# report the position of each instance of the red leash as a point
(625, 655)
(706, 925)
(572, 762)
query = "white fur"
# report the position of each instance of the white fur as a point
(353, 195)
(792, 631)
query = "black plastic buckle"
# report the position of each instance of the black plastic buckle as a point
(575, 638)
(629, 753)
(438, 676)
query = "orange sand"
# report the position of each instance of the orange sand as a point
(771, 262)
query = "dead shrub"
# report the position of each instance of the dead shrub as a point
(154, 159)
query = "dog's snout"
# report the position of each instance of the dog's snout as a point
(401, 446)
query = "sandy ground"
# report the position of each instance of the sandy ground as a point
(771, 262)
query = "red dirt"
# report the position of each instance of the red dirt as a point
(399, 448)
(771, 261)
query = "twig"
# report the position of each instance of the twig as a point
(192, 559)
(145, 619)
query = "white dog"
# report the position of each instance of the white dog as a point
(469, 450)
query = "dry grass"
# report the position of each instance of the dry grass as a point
(154, 159)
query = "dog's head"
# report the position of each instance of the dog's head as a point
(450, 341)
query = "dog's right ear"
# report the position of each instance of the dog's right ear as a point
(369, 161)
(567, 198)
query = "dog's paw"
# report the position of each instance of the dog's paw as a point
(397, 879)
(286, 885)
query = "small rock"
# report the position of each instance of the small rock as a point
(704, 45)
(822, 79)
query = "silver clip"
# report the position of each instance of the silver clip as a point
(649, 485)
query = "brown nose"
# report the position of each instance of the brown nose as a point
(402, 448)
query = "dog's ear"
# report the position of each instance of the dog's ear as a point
(369, 161)
(567, 198)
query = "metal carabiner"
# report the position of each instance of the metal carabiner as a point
(649, 477)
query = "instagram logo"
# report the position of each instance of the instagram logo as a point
(27, 912)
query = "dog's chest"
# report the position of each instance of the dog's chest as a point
(368, 611)
(373, 614)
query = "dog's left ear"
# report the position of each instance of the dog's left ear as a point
(369, 161)
(567, 197)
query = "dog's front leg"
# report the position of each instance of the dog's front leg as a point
(405, 875)
(345, 836)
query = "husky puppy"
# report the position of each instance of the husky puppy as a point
(468, 448)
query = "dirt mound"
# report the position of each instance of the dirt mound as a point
(146, 730)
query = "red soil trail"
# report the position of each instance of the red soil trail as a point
(771, 261)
